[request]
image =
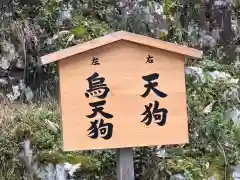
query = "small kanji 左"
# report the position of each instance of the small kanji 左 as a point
(95, 61)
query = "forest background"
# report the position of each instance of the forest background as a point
(30, 138)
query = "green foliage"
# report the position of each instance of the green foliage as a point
(213, 148)
(168, 5)
(88, 28)
(79, 31)
(48, 15)
(33, 125)
(214, 138)
(86, 163)
(32, 122)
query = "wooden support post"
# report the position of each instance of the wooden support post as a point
(125, 166)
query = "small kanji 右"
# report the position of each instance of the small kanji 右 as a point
(97, 88)
(149, 59)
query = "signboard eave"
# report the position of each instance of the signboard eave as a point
(116, 36)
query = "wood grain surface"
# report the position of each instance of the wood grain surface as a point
(123, 64)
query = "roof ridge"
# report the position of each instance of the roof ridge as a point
(116, 36)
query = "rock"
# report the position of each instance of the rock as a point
(221, 4)
(158, 8)
(177, 177)
(20, 63)
(208, 109)
(3, 82)
(4, 62)
(154, 7)
(16, 89)
(234, 114)
(215, 76)
(73, 165)
(161, 153)
(60, 34)
(236, 175)
(60, 171)
(3, 72)
(71, 168)
(207, 41)
(222, 76)
(8, 54)
(65, 14)
(52, 126)
(15, 94)
(233, 93)
(196, 72)
(57, 172)
(236, 172)
(53, 172)
(49, 41)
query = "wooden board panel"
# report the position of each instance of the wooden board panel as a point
(123, 64)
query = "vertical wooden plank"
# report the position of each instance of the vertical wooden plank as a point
(125, 166)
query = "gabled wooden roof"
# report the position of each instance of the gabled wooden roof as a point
(116, 36)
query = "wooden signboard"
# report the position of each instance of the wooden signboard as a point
(122, 90)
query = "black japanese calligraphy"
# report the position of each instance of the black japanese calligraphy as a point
(97, 88)
(152, 85)
(158, 115)
(149, 59)
(95, 61)
(97, 108)
(104, 130)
